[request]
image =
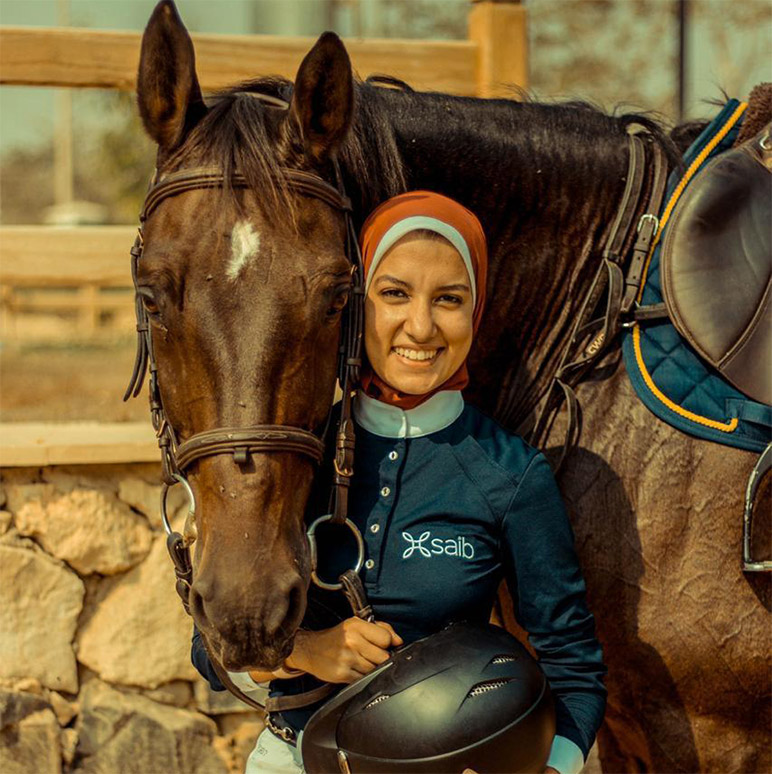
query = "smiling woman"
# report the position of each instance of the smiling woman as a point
(448, 504)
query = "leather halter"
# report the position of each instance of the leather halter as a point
(176, 457)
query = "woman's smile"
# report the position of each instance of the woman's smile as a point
(413, 358)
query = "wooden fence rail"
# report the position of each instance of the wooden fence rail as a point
(489, 63)
(101, 59)
(39, 264)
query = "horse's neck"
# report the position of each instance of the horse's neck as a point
(545, 181)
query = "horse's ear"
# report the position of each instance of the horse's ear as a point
(323, 98)
(168, 94)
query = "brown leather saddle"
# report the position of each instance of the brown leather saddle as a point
(716, 266)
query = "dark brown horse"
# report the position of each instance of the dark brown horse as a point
(245, 287)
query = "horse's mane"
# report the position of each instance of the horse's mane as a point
(240, 132)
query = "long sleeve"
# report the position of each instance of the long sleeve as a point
(548, 591)
(201, 662)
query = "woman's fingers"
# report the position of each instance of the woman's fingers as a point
(396, 640)
(374, 655)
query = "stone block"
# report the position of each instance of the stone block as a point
(31, 745)
(178, 693)
(64, 710)
(40, 601)
(138, 633)
(90, 529)
(132, 734)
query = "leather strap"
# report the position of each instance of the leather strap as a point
(648, 226)
(199, 178)
(356, 596)
(243, 441)
(298, 700)
(592, 336)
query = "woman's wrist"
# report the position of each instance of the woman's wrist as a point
(292, 666)
(295, 663)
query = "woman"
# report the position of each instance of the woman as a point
(448, 501)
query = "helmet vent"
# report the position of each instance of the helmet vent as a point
(482, 688)
(377, 700)
(503, 659)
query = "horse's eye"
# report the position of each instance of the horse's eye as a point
(148, 301)
(340, 300)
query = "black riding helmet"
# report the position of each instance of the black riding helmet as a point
(469, 696)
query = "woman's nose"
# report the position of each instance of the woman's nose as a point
(419, 324)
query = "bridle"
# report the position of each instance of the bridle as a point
(241, 442)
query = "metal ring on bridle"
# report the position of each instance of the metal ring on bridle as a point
(312, 544)
(765, 142)
(164, 493)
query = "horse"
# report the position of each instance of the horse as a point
(244, 289)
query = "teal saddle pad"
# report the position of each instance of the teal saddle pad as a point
(668, 375)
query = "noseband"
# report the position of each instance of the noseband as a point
(241, 442)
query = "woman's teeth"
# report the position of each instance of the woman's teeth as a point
(416, 354)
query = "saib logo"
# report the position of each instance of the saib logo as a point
(427, 546)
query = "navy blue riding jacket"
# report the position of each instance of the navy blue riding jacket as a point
(449, 504)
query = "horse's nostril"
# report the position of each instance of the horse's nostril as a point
(196, 603)
(296, 605)
(284, 608)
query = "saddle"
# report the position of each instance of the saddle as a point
(716, 265)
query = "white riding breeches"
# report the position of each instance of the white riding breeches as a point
(274, 756)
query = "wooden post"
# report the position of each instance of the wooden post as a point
(89, 311)
(499, 30)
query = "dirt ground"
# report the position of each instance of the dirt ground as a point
(66, 382)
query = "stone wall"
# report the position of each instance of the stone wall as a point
(95, 672)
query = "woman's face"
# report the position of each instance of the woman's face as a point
(418, 314)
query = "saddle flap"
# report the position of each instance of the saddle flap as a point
(716, 265)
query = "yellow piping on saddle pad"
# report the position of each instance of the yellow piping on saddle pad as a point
(726, 427)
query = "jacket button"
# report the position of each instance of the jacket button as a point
(385, 491)
(374, 528)
(393, 455)
(369, 564)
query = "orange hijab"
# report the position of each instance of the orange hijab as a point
(465, 226)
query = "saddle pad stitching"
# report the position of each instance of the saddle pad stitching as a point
(693, 167)
(729, 427)
(697, 389)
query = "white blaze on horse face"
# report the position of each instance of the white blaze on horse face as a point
(245, 243)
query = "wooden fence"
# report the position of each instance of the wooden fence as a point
(82, 272)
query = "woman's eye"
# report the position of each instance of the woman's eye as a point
(393, 293)
(446, 299)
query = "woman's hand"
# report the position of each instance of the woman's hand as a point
(344, 653)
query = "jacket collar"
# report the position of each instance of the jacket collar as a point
(435, 414)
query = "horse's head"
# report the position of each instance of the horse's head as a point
(243, 288)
